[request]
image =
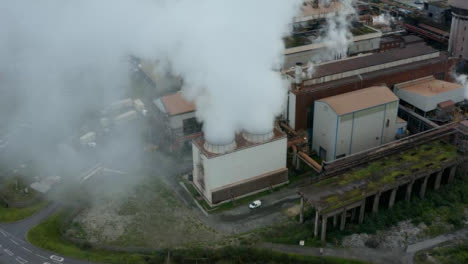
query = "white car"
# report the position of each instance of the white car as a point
(255, 204)
(57, 258)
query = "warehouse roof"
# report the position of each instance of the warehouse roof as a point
(176, 104)
(429, 86)
(360, 99)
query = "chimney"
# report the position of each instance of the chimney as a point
(298, 75)
(220, 148)
(258, 138)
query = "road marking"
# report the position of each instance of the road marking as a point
(41, 256)
(14, 242)
(56, 258)
(28, 250)
(8, 252)
(3, 233)
(21, 260)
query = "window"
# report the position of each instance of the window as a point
(191, 126)
(388, 123)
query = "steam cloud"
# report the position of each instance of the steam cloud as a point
(463, 80)
(383, 19)
(61, 59)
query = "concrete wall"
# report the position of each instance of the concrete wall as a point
(367, 131)
(239, 165)
(429, 103)
(345, 132)
(324, 130)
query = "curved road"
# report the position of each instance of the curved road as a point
(14, 248)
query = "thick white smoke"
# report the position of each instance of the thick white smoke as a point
(463, 80)
(338, 34)
(383, 19)
(61, 57)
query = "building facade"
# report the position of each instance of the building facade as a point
(352, 122)
(242, 168)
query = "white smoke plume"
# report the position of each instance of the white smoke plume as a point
(60, 58)
(383, 19)
(338, 34)
(463, 80)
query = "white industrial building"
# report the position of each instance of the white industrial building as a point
(352, 122)
(251, 163)
(426, 94)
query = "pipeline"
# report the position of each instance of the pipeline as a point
(309, 161)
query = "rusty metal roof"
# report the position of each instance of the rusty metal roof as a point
(429, 86)
(176, 104)
(361, 99)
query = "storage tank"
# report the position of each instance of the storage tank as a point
(458, 45)
(220, 148)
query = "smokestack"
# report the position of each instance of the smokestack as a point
(220, 148)
(298, 75)
(258, 138)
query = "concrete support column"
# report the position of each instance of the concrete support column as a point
(453, 170)
(317, 215)
(392, 198)
(409, 189)
(298, 163)
(343, 220)
(335, 220)
(301, 216)
(422, 192)
(375, 206)
(324, 227)
(353, 214)
(438, 179)
(362, 209)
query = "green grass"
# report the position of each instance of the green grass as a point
(47, 236)
(16, 214)
(448, 254)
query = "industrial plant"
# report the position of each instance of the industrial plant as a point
(295, 146)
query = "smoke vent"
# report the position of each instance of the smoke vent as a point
(258, 138)
(220, 148)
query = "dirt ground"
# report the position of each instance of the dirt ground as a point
(148, 216)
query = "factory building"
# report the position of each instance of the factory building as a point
(249, 164)
(403, 63)
(427, 95)
(352, 122)
(458, 46)
(178, 116)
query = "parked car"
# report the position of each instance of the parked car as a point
(255, 204)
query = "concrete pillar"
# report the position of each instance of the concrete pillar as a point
(438, 179)
(409, 189)
(422, 192)
(335, 220)
(343, 220)
(317, 215)
(324, 227)
(375, 206)
(362, 209)
(353, 214)
(453, 170)
(392, 198)
(298, 164)
(301, 216)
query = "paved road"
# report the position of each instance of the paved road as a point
(378, 256)
(15, 249)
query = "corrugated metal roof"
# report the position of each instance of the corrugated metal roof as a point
(429, 86)
(361, 99)
(175, 104)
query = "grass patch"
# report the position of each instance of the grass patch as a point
(448, 254)
(16, 214)
(47, 236)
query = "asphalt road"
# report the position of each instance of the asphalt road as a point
(14, 249)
